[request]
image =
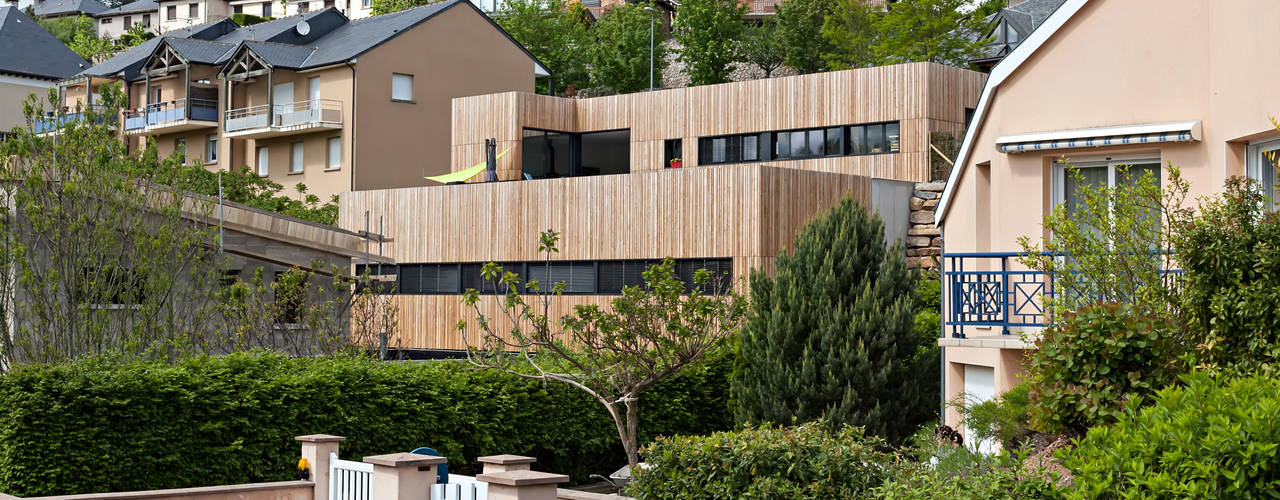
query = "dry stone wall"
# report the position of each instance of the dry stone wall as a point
(924, 240)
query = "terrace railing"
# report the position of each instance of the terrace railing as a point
(314, 111)
(169, 111)
(994, 289)
(53, 121)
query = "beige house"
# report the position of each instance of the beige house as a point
(284, 97)
(115, 22)
(1088, 90)
(717, 177)
(33, 62)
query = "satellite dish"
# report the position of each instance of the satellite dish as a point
(303, 28)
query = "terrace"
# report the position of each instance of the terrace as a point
(274, 120)
(178, 115)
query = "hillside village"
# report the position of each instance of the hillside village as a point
(647, 249)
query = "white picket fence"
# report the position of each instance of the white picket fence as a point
(353, 481)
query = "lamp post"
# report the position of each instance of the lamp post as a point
(651, 20)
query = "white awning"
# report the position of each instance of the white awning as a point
(1103, 136)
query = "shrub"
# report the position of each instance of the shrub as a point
(832, 335)
(1212, 438)
(1231, 255)
(982, 480)
(1088, 363)
(807, 461)
(243, 19)
(1005, 419)
(97, 425)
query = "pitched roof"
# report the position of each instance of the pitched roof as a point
(199, 51)
(128, 64)
(32, 51)
(280, 55)
(131, 7)
(357, 37)
(65, 7)
(999, 74)
(1024, 18)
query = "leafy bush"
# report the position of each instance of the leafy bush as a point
(1212, 438)
(1088, 363)
(807, 461)
(1005, 419)
(928, 319)
(97, 425)
(242, 19)
(983, 480)
(832, 335)
(1231, 255)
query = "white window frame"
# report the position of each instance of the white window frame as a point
(1253, 169)
(264, 160)
(1059, 181)
(211, 148)
(333, 161)
(180, 144)
(401, 98)
(296, 151)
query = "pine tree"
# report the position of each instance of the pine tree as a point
(831, 334)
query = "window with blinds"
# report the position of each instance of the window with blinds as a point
(603, 277)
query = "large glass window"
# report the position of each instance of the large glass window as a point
(602, 277)
(865, 139)
(1074, 178)
(549, 154)
(1263, 162)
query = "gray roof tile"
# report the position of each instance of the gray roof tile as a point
(199, 51)
(131, 7)
(29, 50)
(65, 7)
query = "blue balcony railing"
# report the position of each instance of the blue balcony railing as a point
(171, 111)
(52, 121)
(994, 289)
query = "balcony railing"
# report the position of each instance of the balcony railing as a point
(171, 111)
(996, 290)
(52, 121)
(285, 116)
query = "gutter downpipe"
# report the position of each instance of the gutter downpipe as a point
(942, 327)
(351, 167)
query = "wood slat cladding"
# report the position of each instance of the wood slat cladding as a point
(922, 97)
(745, 212)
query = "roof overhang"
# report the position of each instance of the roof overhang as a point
(999, 74)
(1150, 133)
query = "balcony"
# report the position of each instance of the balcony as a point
(52, 122)
(172, 116)
(259, 122)
(995, 290)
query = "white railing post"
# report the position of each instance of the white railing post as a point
(317, 448)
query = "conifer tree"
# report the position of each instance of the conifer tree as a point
(831, 334)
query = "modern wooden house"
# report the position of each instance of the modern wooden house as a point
(757, 160)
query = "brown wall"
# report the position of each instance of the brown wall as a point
(713, 212)
(923, 97)
(398, 143)
(283, 490)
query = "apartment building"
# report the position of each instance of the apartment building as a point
(34, 62)
(164, 16)
(115, 22)
(284, 97)
(719, 177)
(1085, 93)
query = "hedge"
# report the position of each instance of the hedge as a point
(98, 425)
(808, 461)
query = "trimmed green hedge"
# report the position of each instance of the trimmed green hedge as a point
(95, 425)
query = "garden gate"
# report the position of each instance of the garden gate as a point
(350, 480)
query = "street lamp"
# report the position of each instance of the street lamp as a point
(651, 21)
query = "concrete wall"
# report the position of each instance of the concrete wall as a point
(283, 490)
(13, 93)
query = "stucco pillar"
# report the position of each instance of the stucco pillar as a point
(522, 484)
(316, 449)
(503, 463)
(403, 476)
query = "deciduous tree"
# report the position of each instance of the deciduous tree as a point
(940, 31)
(762, 48)
(800, 34)
(709, 33)
(620, 58)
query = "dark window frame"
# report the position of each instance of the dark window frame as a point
(777, 145)
(600, 284)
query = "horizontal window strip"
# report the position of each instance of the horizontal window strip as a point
(580, 277)
(800, 144)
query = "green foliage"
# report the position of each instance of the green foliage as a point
(66, 28)
(244, 186)
(243, 19)
(554, 31)
(986, 481)
(1212, 438)
(833, 333)
(927, 323)
(97, 425)
(927, 30)
(620, 58)
(1005, 419)
(1119, 240)
(1231, 255)
(761, 47)
(1091, 362)
(135, 35)
(848, 32)
(614, 354)
(803, 462)
(709, 33)
(800, 24)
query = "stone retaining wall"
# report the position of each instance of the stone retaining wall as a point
(924, 240)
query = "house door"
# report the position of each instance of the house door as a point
(979, 386)
(282, 95)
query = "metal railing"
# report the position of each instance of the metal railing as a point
(53, 121)
(309, 112)
(994, 289)
(164, 112)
